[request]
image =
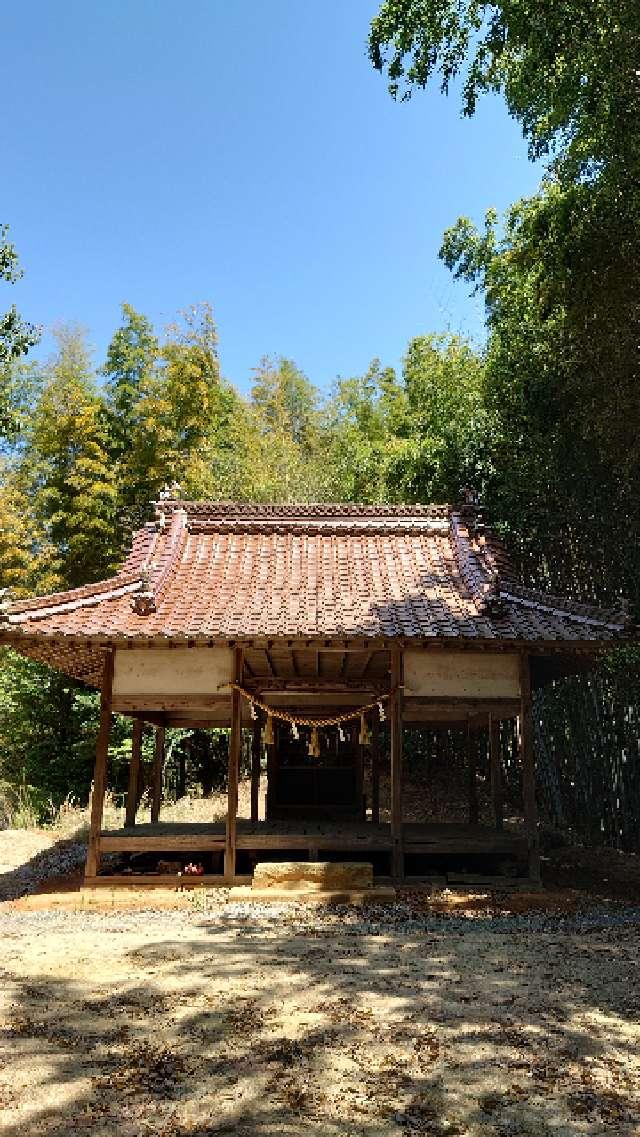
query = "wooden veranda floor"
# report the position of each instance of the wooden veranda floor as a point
(431, 854)
(312, 836)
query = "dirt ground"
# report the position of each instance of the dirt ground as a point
(228, 1019)
(481, 1015)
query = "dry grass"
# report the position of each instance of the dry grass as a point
(72, 821)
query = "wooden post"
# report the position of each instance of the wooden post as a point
(235, 744)
(527, 756)
(359, 757)
(495, 761)
(395, 725)
(256, 755)
(134, 773)
(272, 772)
(375, 769)
(472, 780)
(100, 772)
(158, 766)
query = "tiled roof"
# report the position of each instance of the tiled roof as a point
(224, 571)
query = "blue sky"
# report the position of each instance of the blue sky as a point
(245, 153)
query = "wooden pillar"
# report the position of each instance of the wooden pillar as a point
(272, 771)
(235, 743)
(395, 731)
(527, 757)
(375, 768)
(100, 771)
(134, 773)
(158, 767)
(256, 755)
(472, 775)
(359, 759)
(495, 763)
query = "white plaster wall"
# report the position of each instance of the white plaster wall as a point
(175, 671)
(475, 674)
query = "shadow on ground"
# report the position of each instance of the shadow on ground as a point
(173, 1024)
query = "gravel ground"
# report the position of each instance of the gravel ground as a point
(228, 1018)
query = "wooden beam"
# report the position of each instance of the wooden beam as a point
(100, 772)
(158, 767)
(395, 724)
(472, 775)
(495, 763)
(301, 684)
(161, 842)
(155, 718)
(527, 756)
(134, 773)
(294, 663)
(270, 664)
(142, 704)
(483, 702)
(256, 755)
(233, 773)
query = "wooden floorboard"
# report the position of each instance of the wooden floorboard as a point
(160, 842)
(316, 837)
(161, 880)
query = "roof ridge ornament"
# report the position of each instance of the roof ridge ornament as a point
(171, 492)
(6, 600)
(469, 496)
(143, 601)
(494, 604)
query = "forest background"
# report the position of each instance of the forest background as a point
(543, 421)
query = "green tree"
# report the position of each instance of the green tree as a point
(367, 427)
(16, 337)
(131, 357)
(47, 732)
(561, 385)
(568, 70)
(285, 400)
(281, 436)
(73, 476)
(447, 441)
(182, 402)
(419, 438)
(16, 537)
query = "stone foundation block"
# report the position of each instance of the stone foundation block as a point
(326, 876)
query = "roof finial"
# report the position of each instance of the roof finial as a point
(171, 492)
(470, 495)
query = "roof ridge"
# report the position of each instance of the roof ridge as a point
(316, 526)
(480, 578)
(128, 574)
(576, 609)
(303, 510)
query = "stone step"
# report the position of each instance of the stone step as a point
(312, 876)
